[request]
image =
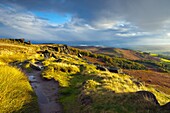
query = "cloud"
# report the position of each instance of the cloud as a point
(124, 21)
(147, 14)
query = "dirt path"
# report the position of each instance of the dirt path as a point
(46, 92)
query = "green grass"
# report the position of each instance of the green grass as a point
(60, 72)
(16, 94)
(165, 60)
(153, 54)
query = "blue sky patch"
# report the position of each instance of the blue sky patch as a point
(53, 17)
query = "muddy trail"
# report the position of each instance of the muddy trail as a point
(46, 91)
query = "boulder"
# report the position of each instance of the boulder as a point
(80, 55)
(148, 96)
(115, 70)
(36, 67)
(101, 68)
(46, 54)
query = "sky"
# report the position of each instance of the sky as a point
(107, 22)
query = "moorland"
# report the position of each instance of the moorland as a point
(88, 79)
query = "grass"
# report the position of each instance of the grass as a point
(109, 92)
(60, 72)
(165, 60)
(153, 54)
(16, 94)
(158, 80)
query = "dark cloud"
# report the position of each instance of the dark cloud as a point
(148, 14)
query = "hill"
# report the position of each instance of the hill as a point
(157, 49)
(138, 59)
(90, 79)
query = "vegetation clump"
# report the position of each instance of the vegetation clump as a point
(16, 94)
(60, 72)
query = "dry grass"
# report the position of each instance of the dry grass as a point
(156, 79)
(16, 94)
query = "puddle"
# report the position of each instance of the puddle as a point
(32, 79)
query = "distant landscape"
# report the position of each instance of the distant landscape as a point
(158, 49)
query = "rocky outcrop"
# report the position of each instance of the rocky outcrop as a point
(46, 54)
(115, 70)
(60, 48)
(111, 69)
(148, 96)
(36, 67)
(101, 68)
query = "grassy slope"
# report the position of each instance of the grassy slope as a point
(158, 80)
(117, 52)
(16, 94)
(109, 92)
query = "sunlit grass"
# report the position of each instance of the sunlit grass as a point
(110, 92)
(165, 60)
(60, 72)
(16, 94)
(154, 55)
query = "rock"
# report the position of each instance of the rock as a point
(54, 56)
(46, 54)
(149, 81)
(36, 67)
(58, 60)
(149, 96)
(80, 55)
(137, 83)
(101, 68)
(115, 70)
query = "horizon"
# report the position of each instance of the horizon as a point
(116, 23)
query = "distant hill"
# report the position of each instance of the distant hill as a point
(119, 52)
(158, 49)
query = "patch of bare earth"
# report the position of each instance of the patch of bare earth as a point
(159, 80)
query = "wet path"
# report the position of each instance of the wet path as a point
(41, 97)
(46, 92)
